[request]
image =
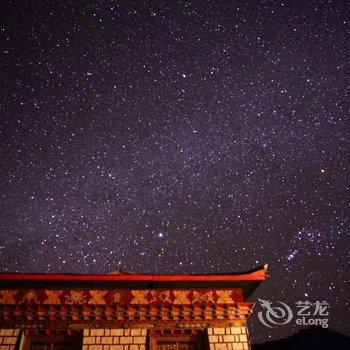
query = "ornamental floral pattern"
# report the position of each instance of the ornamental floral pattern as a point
(119, 296)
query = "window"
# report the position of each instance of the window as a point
(177, 345)
(179, 340)
(51, 340)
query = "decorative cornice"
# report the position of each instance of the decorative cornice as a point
(135, 315)
(150, 304)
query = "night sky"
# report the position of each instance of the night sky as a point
(179, 137)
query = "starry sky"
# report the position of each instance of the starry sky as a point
(179, 137)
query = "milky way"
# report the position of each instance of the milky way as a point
(179, 137)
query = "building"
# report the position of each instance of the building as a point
(126, 311)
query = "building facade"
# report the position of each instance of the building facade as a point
(125, 311)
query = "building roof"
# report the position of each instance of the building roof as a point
(247, 281)
(117, 299)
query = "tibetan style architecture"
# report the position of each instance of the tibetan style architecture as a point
(124, 311)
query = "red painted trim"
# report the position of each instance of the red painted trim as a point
(257, 275)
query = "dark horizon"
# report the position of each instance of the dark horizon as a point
(179, 137)
(309, 338)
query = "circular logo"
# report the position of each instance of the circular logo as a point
(273, 315)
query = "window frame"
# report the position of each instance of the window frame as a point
(200, 340)
(27, 339)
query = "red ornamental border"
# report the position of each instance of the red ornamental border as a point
(119, 296)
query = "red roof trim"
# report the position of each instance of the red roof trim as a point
(256, 275)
